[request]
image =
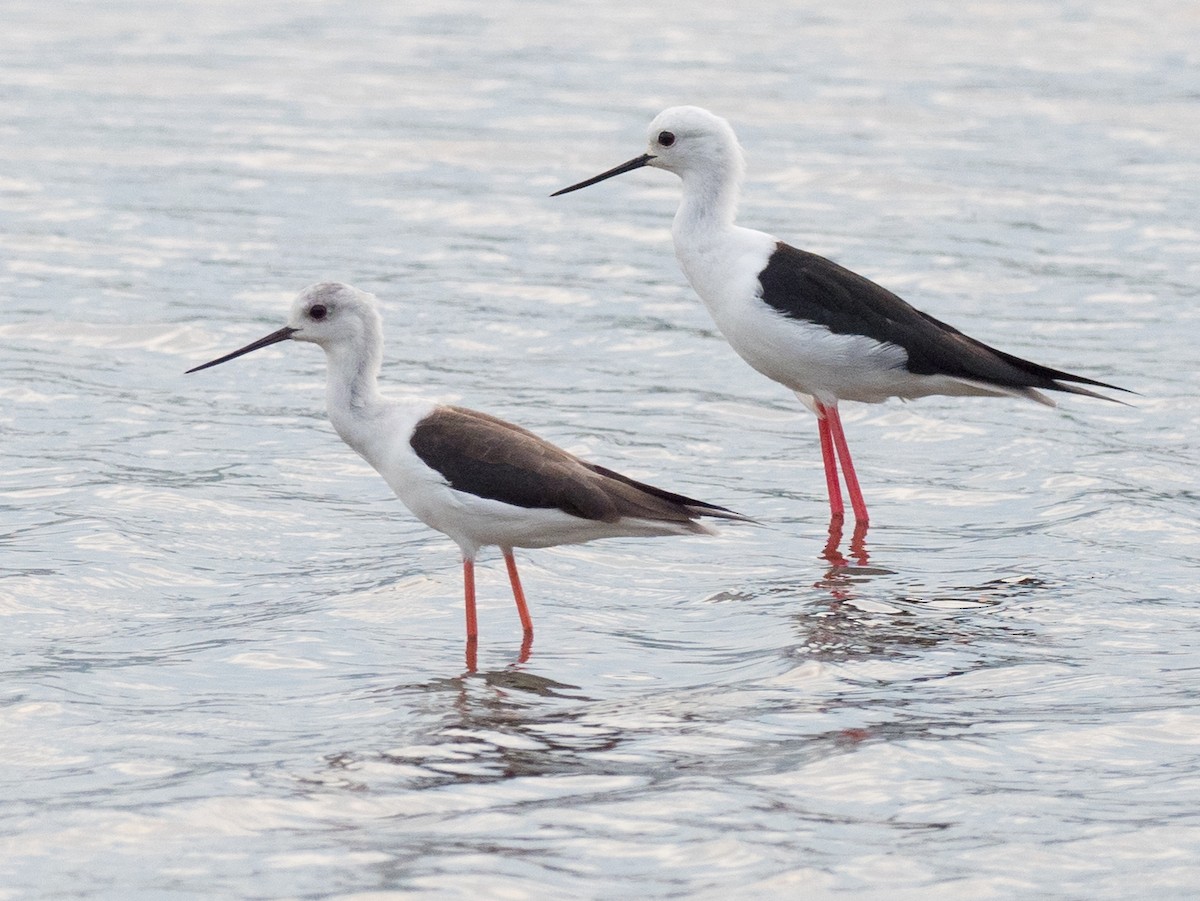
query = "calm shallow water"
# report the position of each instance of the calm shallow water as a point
(233, 663)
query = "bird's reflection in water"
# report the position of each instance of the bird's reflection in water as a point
(483, 726)
(856, 624)
(863, 633)
(494, 724)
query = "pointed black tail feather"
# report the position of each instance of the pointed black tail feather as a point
(688, 504)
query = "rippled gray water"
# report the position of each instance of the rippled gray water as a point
(232, 663)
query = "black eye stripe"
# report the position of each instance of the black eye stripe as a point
(666, 138)
(318, 311)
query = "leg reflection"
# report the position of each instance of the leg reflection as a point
(526, 648)
(472, 654)
(858, 543)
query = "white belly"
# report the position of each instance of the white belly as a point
(810, 359)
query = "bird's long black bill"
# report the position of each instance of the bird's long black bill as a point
(635, 163)
(274, 338)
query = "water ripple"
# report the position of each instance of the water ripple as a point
(233, 664)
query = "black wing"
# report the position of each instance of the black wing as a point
(808, 287)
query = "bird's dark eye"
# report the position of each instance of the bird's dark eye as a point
(318, 311)
(666, 138)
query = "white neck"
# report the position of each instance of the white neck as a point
(708, 207)
(352, 396)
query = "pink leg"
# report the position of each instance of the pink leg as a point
(472, 624)
(843, 452)
(469, 591)
(518, 594)
(836, 509)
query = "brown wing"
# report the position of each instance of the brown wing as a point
(488, 457)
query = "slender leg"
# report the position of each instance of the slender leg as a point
(469, 592)
(836, 509)
(518, 593)
(472, 624)
(843, 452)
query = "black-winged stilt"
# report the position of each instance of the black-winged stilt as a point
(478, 479)
(815, 327)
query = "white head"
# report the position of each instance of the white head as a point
(333, 315)
(693, 143)
(338, 318)
(688, 140)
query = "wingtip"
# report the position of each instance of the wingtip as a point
(1085, 392)
(715, 512)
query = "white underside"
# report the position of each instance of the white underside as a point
(812, 361)
(472, 522)
(475, 522)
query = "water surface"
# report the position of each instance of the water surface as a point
(232, 663)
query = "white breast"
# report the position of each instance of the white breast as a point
(381, 436)
(723, 268)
